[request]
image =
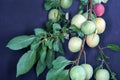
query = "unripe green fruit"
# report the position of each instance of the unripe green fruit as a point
(66, 3)
(102, 74)
(78, 20)
(88, 27)
(97, 1)
(89, 70)
(77, 73)
(54, 15)
(92, 40)
(100, 25)
(74, 44)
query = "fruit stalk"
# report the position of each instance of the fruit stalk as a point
(84, 39)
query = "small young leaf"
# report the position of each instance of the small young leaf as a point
(60, 63)
(20, 42)
(61, 48)
(39, 32)
(40, 67)
(56, 27)
(62, 37)
(47, 6)
(56, 45)
(80, 34)
(49, 43)
(113, 76)
(113, 47)
(50, 57)
(74, 28)
(26, 62)
(98, 57)
(43, 54)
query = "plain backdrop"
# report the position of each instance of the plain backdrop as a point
(20, 17)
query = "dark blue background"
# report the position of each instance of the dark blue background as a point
(18, 17)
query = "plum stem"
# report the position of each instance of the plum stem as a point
(84, 39)
(103, 59)
(85, 56)
(81, 50)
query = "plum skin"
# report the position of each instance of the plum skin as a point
(92, 40)
(102, 74)
(88, 27)
(74, 44)
(77, 20)
(54, 15)
(77, 73)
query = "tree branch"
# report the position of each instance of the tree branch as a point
(84, 39)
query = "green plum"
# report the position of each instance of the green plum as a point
(77, 20)
(77, 73)
(100, 25)
(92, 40)
(88, 27)
(89, 70)
(54, 15)
(66, 3)
(74, 44)
(102, 74)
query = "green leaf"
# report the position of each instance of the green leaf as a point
(50, 57)
(113, 47)
(53, 74)
(74, 28)
(43, 54)
(40, 67)
(26, 62)
(98, 57)
(56, 27)
(49, 43)
(35, 45)
(56, 44)
(61, 48)
(80, 34)
(62, 37)
(58, 69)
(20, 42)
(60, 63)
(113, 76)
(47, 6)
(63, 75)
(57, 74)
(39, 32)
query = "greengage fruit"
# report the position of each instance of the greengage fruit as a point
(89, 70)
(99, 9)
(100, 25)
(88, 27)
(102, 74)
(66, 3)
(77, 20)
(54, 15)
(92, 40)
(77, 73)
(74, 44)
